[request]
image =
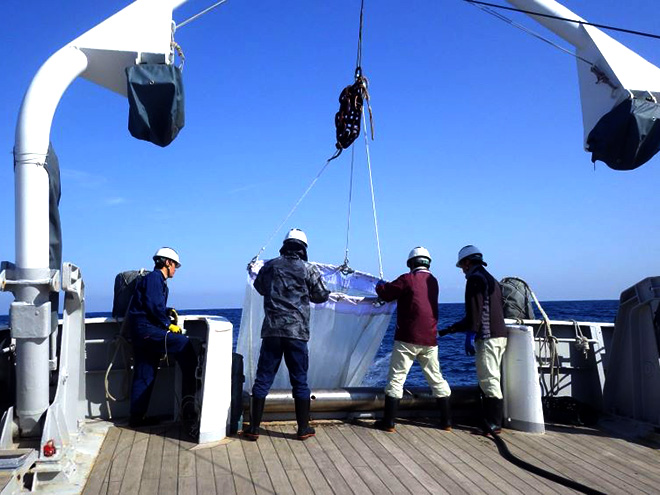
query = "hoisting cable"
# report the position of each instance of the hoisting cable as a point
(200, 14)
(484, 6)
(294, 206)
(576, 21)
(351, 100)
(373, 199)
(345, 266)
(506, 453)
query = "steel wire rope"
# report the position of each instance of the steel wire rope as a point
(200, 14)
(484, 7)
(295, 206)
(550, 16)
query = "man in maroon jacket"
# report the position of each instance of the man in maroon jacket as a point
(415, 338)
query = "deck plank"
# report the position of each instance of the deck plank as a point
(602, 458)
(204, 472)
(239, 468)
(135, 463)
(345, 459)
(224, 481)
(168, 484)
(120, 456)
(154, 456)
(645, 457)
(341, 463)
(596, 475)
(149, 486)
(311, 474)
(436, 450)
(409, 458)
(480, 451)
(278, 475)
(319, 470)
(381, 470)
(536, 452)
(100, 471)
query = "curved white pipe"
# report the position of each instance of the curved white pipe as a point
(31, 146)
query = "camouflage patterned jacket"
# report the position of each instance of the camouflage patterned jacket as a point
(288, 285)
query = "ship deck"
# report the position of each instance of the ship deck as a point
(348, 458)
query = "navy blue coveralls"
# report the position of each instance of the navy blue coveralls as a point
(149, 325)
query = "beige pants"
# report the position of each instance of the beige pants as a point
(488, 360)
(403, 357)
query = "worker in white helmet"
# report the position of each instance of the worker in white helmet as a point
(415, 339)
(155, 332)
(486, 333)
(288, 283)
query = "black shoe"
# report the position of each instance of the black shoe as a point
(445, 413)
(389, 413)
(256, 412)
(302, 418)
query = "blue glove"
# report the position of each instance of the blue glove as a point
(469, 344)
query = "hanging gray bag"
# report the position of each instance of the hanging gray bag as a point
(156, 102)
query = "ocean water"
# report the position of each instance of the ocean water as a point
(457, 368)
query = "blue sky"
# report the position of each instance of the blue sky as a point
(478, 141)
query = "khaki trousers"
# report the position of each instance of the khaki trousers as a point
(488, 360)
(403, 357)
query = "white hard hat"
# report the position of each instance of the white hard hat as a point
(169, 253)
(419, 251)
(466, 251)
(298, 235)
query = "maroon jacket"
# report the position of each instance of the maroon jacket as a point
(416, 294)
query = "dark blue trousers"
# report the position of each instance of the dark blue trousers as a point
(149, 345)
(296, 358)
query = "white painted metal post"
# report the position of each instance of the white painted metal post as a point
(30, 313)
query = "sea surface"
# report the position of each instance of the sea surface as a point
(457, 368)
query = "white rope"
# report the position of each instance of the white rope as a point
(350, 202)
(200, 14)
(373, 199)
(294, 207)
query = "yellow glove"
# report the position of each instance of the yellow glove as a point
(174, 329)
(173, 315)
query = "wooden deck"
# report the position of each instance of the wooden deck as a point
(346, 458)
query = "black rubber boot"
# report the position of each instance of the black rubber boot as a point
(389, 413)
(256, 412)
(493, 412)
(445, 413)
(302, 417)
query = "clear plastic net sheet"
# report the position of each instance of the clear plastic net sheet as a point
(344, 334)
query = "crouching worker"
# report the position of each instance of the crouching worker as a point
(415, 338)
(483, 323)
(154, 335)
(288, 284)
